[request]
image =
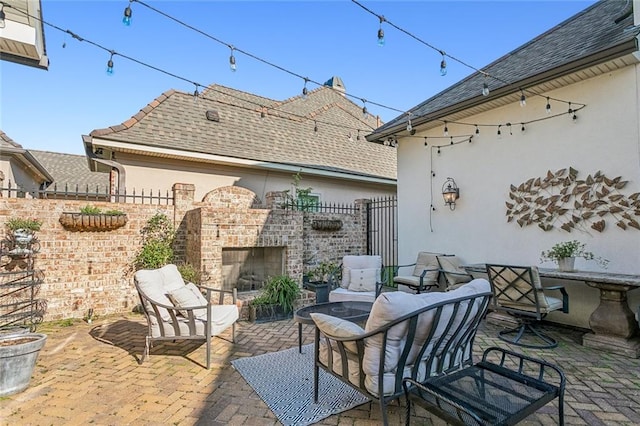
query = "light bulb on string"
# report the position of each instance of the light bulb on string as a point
(364, 108)
(110, 64)
(443, 65)
(451, 141)
(358, 135)
(446, 129)
(548, 107)
(381, 40)
(570, 112)
(477, 130)
(425, 141)
(575, 117)
(305, 91)
(2, 16)
(196, 94)
(126, 19)
(315, 127)
(499, 132)
(523, 99)
(522, 128)
(232, 60)
(438, 153)
(485, 89)
(409, 126)
(263, 113)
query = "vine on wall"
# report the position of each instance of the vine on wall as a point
(561, 200)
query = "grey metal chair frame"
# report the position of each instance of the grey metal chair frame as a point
(530, 295)
(460, 342)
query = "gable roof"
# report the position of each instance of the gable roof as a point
(72, 172)
(10, 148)
(285, 135)
(602, 32)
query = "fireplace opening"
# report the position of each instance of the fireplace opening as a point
(250, 268)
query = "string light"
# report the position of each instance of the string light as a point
(381, 40)
(364, 108)
(196, 94)
(2, 16)
(358, 135)
(446, 129)
(232, 60)
(126, 19)
(305, 91)
(443, 65)
(522, 128)
(509, 126)
(499, 132)
(438, 153)
(425, 141)
(570, 110)
(485, 87)
(409, 126)
(523, 99)
(548, 107)
(451, 141)
(263, 113)
(477, 130)
(315, 127)
(110, 63)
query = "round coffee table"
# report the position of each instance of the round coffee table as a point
(347, 310)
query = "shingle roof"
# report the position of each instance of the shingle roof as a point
(591, 35)
(286, 135)
(7, 142)
(71, 171)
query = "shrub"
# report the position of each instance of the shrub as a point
(280, 290)
(157, 243)
(28, 224)
(190, 273)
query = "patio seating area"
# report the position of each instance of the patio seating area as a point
(89, 373)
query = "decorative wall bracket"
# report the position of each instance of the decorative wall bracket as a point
(561, 200)
(92, 222)
(326, 225)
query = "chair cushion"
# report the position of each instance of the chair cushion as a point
(411, 283)
(189, 296)
(156, 284)
(453, 264)
(393, 305)
(363, 279)
(359, 262)
(428, 261)
(338, 327)
(342, 295)
(223, 316)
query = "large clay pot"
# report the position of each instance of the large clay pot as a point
(18, 356)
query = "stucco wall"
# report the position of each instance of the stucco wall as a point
(163, 173)
(604, 138)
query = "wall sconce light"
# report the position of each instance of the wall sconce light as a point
(450, 193)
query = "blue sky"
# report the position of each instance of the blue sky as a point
(51, 110)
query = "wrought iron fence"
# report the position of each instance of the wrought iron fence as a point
(89, 193)
(320, 207)
(382, 231)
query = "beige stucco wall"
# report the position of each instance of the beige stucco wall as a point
(17, 175)
(604, 138)
(162, 173)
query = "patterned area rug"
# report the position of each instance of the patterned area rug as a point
(284, 381)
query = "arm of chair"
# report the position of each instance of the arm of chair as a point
(221, 294)
(428, 286)
(565, 296)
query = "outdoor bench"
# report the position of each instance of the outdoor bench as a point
(502, 389)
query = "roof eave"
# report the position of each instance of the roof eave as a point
(618, 51)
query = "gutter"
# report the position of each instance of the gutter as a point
(26, 158)
(93, 159)
(631, 46)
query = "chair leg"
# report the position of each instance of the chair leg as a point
(526, 328)
(208, 350)
(233, 332)
(145, 354)
(383, 410)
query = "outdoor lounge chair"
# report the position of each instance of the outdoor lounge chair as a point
(360, 279)
(177, 311)
(428, 271)
(406, 335)
(517, 290)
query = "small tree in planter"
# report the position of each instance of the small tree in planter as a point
(277, 300)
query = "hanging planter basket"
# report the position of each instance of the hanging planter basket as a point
(92, 222)
(326, 225)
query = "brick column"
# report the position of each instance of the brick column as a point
(183, 194)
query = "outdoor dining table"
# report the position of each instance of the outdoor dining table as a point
(614, 326)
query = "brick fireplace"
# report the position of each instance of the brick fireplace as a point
(238, 242)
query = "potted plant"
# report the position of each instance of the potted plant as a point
(276, 301)
(319, 279)
(23, 229)
(91, 218)
(565, 253)
(18, 356)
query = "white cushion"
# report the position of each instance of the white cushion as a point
(337, 327)
(358, 262)
(342, 295)
(363, 279)
(156, 283)
(453, 264)
(393, 305)
(188, 296)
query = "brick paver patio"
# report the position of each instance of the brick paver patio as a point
(89, 374)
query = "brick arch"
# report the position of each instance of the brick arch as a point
(231, 197)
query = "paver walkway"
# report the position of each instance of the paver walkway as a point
(89, 374)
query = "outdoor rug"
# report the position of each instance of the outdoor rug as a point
(284, 381)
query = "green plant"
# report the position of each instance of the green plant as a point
(157, 243)
(190, 273)
(90, 210)
(300, 198)
(323, 272)
(279, 290)
(29, 224)
(572, 248)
